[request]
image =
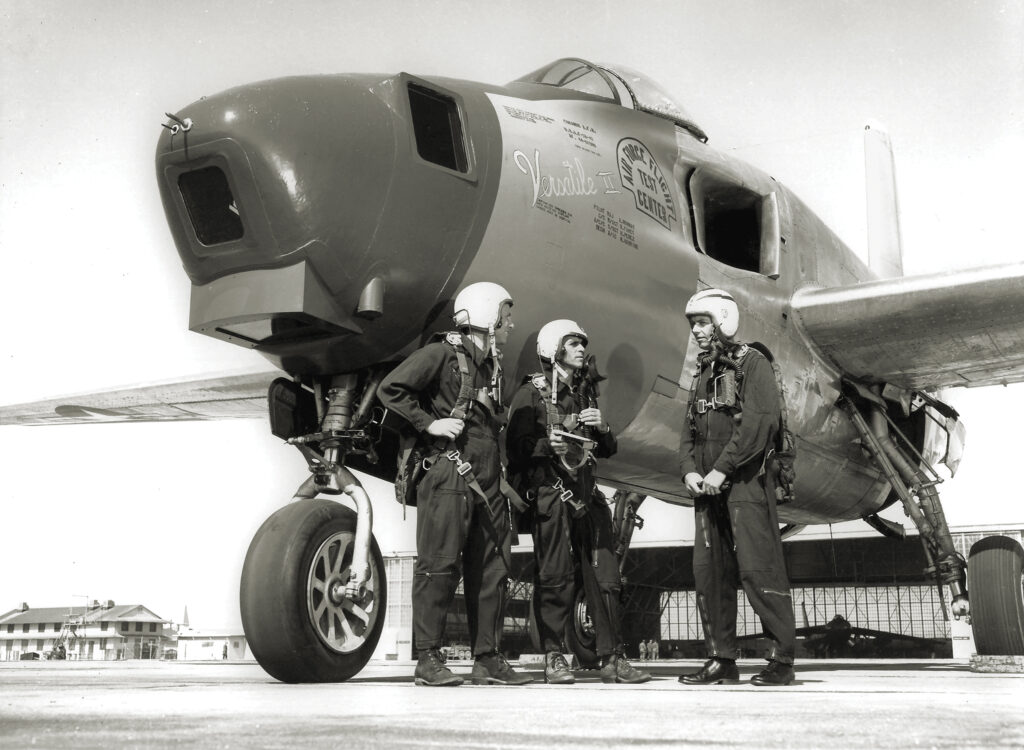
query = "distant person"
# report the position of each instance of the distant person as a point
(723, 450)
(462, 518)
(556, 430)
(652, 649)
(643, 650)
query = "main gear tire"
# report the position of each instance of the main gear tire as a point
(994, 585)
(300, 625)
(580, 637)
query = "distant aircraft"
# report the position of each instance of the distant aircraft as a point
(328, 221)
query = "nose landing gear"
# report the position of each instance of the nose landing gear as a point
(314, 593)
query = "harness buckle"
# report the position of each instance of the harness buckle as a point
(461, 467)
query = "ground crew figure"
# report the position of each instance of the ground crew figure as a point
(450, 392)
(555, 431)
(643, 650)
(733, 417)
(652, 649)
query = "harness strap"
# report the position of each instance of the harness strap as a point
(466, 392)
(465, 470)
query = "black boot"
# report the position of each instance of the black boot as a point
(431, 671)
(775, 674)
(714, 672)
(615, 668)
(556, 669)
(494, 669)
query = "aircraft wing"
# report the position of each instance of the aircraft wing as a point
(957, 328)
(238, 396)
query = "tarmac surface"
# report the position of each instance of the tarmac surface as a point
(833, 704)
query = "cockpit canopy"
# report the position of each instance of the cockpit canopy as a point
(619, 84)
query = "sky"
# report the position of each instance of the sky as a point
(93, 295)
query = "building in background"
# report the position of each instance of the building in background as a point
(863, 583)
(223, 644)
(98, 632)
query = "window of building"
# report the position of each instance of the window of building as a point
(24, 628)
(125, 626)
(10, 628)
(103, 626)
(438, 128)
(56, 627)
(138, 627)
(152, 627)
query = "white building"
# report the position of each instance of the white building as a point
(101, 631)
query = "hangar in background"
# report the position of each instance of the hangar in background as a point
(873, 582)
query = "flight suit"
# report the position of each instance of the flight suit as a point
(736, 533)
(561, 542)
(455, 527)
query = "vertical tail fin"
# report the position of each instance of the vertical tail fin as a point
(885, 254)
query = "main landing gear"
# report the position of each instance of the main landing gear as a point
(314, 593)
(992, 574)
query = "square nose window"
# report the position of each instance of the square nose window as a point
(438, 128)
(211, 206)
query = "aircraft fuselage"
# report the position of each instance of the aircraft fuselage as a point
(328, 222)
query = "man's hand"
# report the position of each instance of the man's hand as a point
(713, 482)
(592, 418)
(449, 427)
(693, 482)
(558, 444)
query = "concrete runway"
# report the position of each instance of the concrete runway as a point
(834, 704)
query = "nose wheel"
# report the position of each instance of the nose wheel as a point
(301, 619)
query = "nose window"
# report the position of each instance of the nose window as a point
(211, 206)
(438, 128)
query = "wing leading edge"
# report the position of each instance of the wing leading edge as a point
(242, 396)
(958, 328)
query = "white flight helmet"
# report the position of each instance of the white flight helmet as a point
(479, 305)
(719, 306)
(553, 334)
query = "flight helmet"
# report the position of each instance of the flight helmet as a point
(551, 337)
(719, 306)
(479, 306)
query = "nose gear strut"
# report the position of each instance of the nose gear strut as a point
(341, 433)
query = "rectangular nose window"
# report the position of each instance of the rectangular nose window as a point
(438, 128)
(211, 206)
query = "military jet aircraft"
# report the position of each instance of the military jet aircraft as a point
(327, 222)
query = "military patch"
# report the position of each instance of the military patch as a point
(539, 381)
(454, 338)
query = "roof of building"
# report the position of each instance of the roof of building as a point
(128, 612)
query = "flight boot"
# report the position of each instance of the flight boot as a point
(556, 670)
(615, 668)
(431, 671)
(494, 669)
(714, 672)
(774, 675)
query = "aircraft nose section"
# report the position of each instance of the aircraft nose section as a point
(273, 193)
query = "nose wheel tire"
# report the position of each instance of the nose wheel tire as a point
(579, 633)
(299, 623)
(994, 570)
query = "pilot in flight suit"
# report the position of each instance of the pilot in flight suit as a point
(461, 515)
(572, 525)
(722, 455)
